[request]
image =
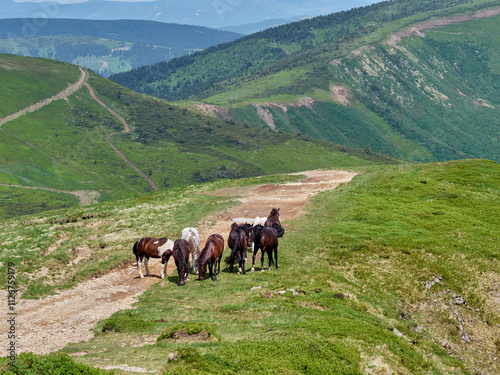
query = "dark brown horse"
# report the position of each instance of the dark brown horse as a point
(237, 242)
(266, 239)
(180, 252)
(211, 255)
(273, 220)
(148, 247)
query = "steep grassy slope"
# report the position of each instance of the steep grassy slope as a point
(25, 82)
(378, 266)
(61, 150)
(423, 98)
(106, 47)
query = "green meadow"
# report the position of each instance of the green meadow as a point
(368, 282)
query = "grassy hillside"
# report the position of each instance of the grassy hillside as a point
(430, 98)
(61, 150)
(106, 47)
(377, 266)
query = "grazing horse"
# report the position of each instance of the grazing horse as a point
(273, 220)
(180, 252)
(193, 238)
(148, 247)
(237, 242)
(211, 255)
(266, 239)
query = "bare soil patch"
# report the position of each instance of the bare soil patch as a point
(51, 323)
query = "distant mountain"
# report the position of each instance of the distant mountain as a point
(259, 26)
(214, 13)
(106, 47)
(352, 78)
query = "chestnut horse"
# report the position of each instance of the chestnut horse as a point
(273, 220)
(266, 239)
(180, 252)
(237, 242)
(211, 255)
(193, 238)
(148, 247)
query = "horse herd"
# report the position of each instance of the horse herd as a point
(263, 234)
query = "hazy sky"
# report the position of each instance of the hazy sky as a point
(69, 1)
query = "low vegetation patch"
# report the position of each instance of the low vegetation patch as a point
(190, 332)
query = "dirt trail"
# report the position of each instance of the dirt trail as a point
(49, 324)
(42, 103)
(127, 130)
(417, 29)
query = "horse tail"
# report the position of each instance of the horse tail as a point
(234, 250)
(135, 250)
(193, 246)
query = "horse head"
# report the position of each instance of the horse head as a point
(183, 275)
(202, 269)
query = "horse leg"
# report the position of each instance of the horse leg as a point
(262, 260)
(276, 257)
(270, 256)
(196, 255)
(163, 270)
(218, 263)
(256, 250)
(241, 262)
(139, 264)
(211, 268)
(215, 269)
(146, 260)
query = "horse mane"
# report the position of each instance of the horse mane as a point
(279, 229)
(182, 261)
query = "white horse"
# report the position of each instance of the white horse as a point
(259, 221)
(193, 239)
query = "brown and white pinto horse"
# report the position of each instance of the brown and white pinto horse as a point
(148, 247)
(237, 242)
(273, 220)
(266, 239)
(211, 255)
(180, 252)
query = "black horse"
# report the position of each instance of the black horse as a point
(266, 239)
(180, 252)
(237, 242)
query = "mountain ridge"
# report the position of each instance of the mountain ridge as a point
(288, 62)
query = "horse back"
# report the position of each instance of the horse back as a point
(191, 234)
(269, 237)
(149, 247)
(181, 248)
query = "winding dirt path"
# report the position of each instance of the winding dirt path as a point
(71, 89)
(417, 29)
(127, 130)
(50, 324)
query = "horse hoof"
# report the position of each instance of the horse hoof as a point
(252, 269)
